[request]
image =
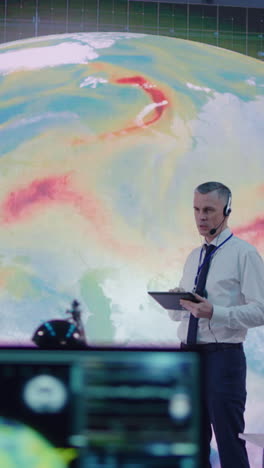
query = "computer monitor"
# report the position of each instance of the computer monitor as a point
(101, 408)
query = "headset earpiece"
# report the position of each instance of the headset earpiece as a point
(227, 208)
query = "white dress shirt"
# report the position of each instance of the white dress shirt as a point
(235, 288)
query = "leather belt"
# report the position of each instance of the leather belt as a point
(209, 347)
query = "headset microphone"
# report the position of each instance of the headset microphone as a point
(213, 231)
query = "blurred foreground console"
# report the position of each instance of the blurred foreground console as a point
(102, 407)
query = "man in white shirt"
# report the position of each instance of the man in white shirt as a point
(231, 302)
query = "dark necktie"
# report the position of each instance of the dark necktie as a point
(200, 289)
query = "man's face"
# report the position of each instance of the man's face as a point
(208, 212)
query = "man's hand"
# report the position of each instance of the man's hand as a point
(201, 309)
(177, 290)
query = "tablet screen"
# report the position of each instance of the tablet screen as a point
(171, 300)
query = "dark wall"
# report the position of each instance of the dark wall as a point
(238, 3)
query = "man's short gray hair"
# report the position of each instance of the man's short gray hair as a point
(222, 190)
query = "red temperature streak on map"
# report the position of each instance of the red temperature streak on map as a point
(159, 100)
(23, 204)
(252, 232)
(158, 97)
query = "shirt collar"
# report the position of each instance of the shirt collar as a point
(221, 237)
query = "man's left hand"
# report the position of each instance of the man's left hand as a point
(201, 309)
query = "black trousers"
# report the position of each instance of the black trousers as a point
(224, 402)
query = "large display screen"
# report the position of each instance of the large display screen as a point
(103, 138)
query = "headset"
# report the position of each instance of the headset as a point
(227, 208)
(226, 212)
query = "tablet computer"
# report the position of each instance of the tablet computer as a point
(171, 300)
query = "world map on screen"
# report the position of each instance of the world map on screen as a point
(103, 137)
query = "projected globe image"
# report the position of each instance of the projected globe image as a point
(103, 137)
